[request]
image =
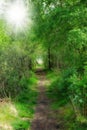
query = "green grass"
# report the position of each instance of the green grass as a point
(19, 112)
(52, 75)
(21, 125)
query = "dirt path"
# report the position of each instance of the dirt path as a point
(43, 119)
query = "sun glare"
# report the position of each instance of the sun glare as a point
(17, 15)
(2, 6)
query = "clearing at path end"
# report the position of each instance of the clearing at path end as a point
(44, 119)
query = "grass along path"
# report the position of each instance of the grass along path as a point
(17, 114)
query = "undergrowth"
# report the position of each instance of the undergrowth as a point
(17, 113)
(57, 92)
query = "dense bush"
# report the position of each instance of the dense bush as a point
(15, 62)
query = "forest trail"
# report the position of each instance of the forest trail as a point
(43, 119)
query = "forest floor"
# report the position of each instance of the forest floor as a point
(41, 107)
(44, 118)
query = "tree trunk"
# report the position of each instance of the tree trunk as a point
(49, 59)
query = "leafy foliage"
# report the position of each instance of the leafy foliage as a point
(59, 31)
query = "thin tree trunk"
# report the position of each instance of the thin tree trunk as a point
(49, 58)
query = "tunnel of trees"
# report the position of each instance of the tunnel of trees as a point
(56, 36)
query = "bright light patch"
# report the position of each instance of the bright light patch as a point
(17, 15)
(1, 4)
(2, 7)
(40, 61)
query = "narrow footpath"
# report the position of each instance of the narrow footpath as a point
(44, 119)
